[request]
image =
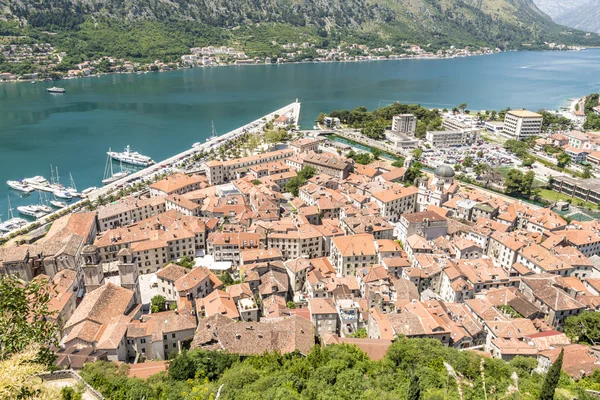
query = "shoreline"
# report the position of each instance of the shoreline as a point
(398, 58)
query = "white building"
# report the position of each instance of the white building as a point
(404, 123)
(520, 124)
(443, 139)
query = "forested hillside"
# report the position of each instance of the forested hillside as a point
(105, 27)
(412, 369)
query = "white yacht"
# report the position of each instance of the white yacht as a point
(12, 223)
(31, 211)
(43, 205)
(131, 157)
(72, 189)
(62, 193)
(58, 204)
(109, 175)
(20, 186)
(55, 89)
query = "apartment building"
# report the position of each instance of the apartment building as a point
(520, 124)
(129, 210)
(303, 241)
(397, 201)
(352, 252)
(427, 224)
(176, 184)
(219, 172)
(404, 123)
(324, 316)
(326, 163)
(226, 246)
(444, 139)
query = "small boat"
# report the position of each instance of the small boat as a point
(33, 82)
(12, 223)
(72, 189)
(55, 89)
(31, 211)
(62, 193)
(109, 175)
(58, 204)
(213, 133)
(20, 186)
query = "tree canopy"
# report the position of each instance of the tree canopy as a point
(25, 317)
(337, 372)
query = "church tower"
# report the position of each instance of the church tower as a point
(129, 273)
(93, 276)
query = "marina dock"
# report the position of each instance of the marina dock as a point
(292, 110)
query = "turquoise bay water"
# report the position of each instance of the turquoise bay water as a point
(160, 114)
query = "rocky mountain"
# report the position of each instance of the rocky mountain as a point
(92, 26)
(557, 8)
(585, 17)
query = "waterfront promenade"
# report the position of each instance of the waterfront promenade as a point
(169, 165)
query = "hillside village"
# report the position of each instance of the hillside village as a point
(227, 259)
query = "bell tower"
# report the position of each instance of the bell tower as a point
(93, 276)
(129, 273)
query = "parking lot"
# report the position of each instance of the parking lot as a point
(492, 154)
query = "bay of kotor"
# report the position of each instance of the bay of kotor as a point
(160, 114)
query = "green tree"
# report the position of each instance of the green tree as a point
(468, 162)
(528, 161)
(307, 172)
(291, 305)
(226, 279)
(360, 333)
(68, 393)
(518, 183)
(563, 159)
(321, 118)
(376, 153)
(294, 184)
(552, 378)
(481, 169)
(417, 153)
(414, 172)
(480, 154)
(157, 304)
(587, 172)
(421, 129)
(517, 147)
(186, 262)
(462, 107)
(25, 317)
(584, 328)
(414, 391)
(182, 367)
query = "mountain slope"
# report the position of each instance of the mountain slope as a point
(557, 8)
(585, 17)
(253, 24)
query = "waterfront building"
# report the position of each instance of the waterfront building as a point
(404, 123)
(445, 139)
(521, 124)
(177, 184)
(219, 172)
